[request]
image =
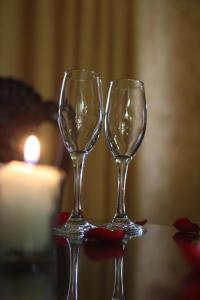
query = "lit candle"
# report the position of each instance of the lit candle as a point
(32, 150)
(28, 201)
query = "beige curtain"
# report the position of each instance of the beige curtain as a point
(157, 41)
(168, 60)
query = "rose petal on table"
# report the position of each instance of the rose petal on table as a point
(141, 223)
(62, 218)
(100, 234)
(103, 251)
(60, 241)
(185, 225)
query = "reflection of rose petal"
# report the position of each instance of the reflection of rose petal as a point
(141, 223)
(100, 234)
(185, 225)
(103, 251)
(190, 251)
(185, 237)
(191, 287)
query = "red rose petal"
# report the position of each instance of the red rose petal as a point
(185, 225)
(60, 241)
(141, 223)
(62, 217)
(100, 234)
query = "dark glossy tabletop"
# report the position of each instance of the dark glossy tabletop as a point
(149, 267)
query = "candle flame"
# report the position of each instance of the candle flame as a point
(32, 149)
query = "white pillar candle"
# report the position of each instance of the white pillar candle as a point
(28, 200)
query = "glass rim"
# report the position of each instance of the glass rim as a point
(135, 81)
(96, 74)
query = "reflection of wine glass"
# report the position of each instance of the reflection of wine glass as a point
(80, 118)
(118, 290)
(125, 124)
(74, 262)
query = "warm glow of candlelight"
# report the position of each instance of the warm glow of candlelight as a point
(32, 149)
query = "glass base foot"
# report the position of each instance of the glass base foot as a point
(127, 225)
(73, 228)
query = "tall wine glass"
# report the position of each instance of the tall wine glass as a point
(125, 124)
(80, 119)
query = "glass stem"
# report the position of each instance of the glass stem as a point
(122, 165)
(78, 160)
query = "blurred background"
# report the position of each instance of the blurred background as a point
(155, 41)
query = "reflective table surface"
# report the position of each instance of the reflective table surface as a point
(149, 267)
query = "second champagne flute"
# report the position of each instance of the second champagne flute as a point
(125, 124)
(80, 119)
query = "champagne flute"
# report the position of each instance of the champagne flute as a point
(80, 119)
(125, 124)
